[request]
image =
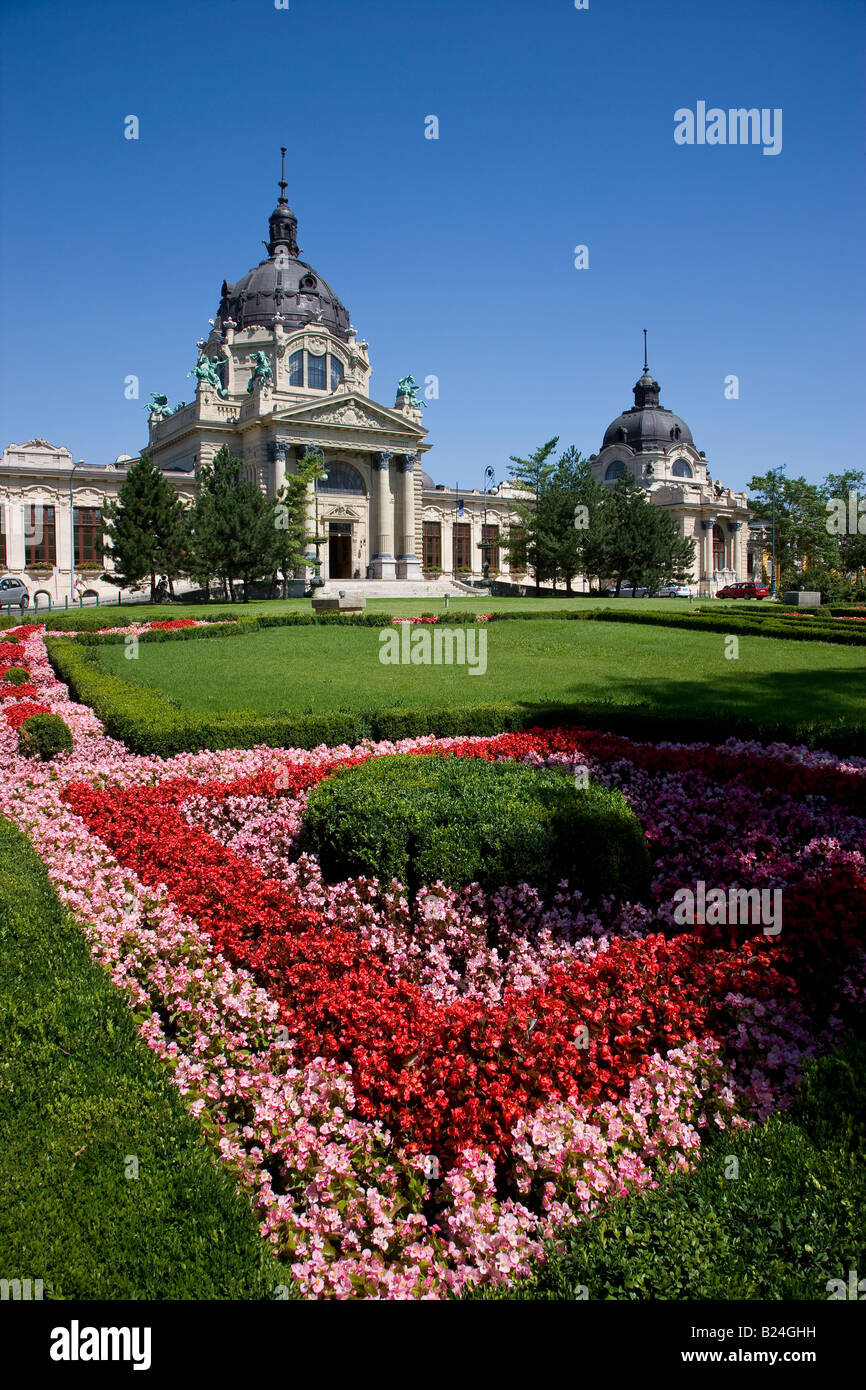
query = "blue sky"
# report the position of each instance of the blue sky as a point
(454, 256)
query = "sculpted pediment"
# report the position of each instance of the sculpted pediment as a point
(351, 411)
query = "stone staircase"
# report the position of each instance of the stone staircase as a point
(433, 589)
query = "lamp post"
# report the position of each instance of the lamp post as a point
(489, 481)
(317, 580)
(774, 472)
(79, 464)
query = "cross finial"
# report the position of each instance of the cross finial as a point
(283, 172)
(645, 363)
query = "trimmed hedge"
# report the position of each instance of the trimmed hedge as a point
(737, 623)
(44, 736)
(787, 1224)
(464, 820)
(147, 723)
(80, 1092)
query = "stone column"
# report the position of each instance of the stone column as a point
(707, 551)
(382, 560)
(408, 563)
(14, 536)
(279, 453)
(736, 548)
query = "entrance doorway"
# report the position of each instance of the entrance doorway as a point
(340, 550)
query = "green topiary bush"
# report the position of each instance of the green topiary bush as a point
(423, 818)
(16, 675)
(44, 736)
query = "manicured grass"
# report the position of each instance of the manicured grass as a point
(779, 1222)
(80, 1094)
(301, 670)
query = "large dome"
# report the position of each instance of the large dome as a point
(283, 284)
(647, 425)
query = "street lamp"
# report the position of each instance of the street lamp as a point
(774, 475)
(317, 581)
(79, 464)
(486, 547)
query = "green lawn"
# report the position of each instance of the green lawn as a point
(303, 670)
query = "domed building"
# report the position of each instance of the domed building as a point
(282, 373)
(656, 448)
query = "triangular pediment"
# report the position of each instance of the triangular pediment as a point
(350, 411)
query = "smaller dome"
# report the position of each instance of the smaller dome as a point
(427, 482)
(647, 425)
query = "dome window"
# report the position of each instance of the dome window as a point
(308, 284)
(316, 378)
(681, 469)
(622, 434)
(336, 373)
(614, 470)
(296, 369)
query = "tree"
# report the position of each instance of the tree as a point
(842, 489)
(572, 503)
(802, 538)
(146, 528)
(532, 538)
(233, 525)
(291, 536)
(638, 543)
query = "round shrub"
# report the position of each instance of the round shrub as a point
(16, 675)
(44, 736)
(423, 818)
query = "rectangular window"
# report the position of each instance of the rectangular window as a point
(336, 373)
(518, 550)
(296, 369)
(316, 379)
(4, 554)
(40, 546)
(88, 536)
(432, 545)
(490, 546)
(462, 546)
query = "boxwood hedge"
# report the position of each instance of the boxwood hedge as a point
(423, 819)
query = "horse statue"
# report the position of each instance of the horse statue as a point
(158, 406)
(262, 370)
(205, 370)
(407, 387)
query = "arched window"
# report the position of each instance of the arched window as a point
(296, 369)
(614, 470)
(681, 469)
(342, 477)
(316, 379)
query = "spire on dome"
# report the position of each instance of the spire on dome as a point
(646, 392)
(283, 224)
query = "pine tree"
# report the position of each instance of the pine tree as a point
(233, 525)
(532, 538)
(146, 528)
(291, 516)
(638, 543)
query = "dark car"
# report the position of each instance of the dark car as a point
(747, 590)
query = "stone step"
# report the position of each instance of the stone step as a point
(395, 588)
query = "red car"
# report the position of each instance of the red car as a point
(747, 590)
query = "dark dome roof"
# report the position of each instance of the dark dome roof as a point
(647, 425)
(427, 482)
(283, 284)
(291, 288)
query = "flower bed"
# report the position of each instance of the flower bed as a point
(417, 1097)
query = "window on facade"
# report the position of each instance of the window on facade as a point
(316, 379)
(342, 477)
(432, 537)
(517, 542)
(296, 369)
(88, 535)
(336, 373)
(490, 546)
(681, 469)
(462, 545)
(614, 470)
(4, 558)
(40, 546)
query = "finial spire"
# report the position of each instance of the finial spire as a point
(645, 363)
(283, 174)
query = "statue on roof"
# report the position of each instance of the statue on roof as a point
(262, 370)
(407, 388)
(206, 370)
(158, 406)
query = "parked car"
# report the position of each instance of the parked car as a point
(746, 590)
(13, 594)
(674, 591)
(628, 592)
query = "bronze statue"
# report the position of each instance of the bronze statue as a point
(206, 371)
(262, 370)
